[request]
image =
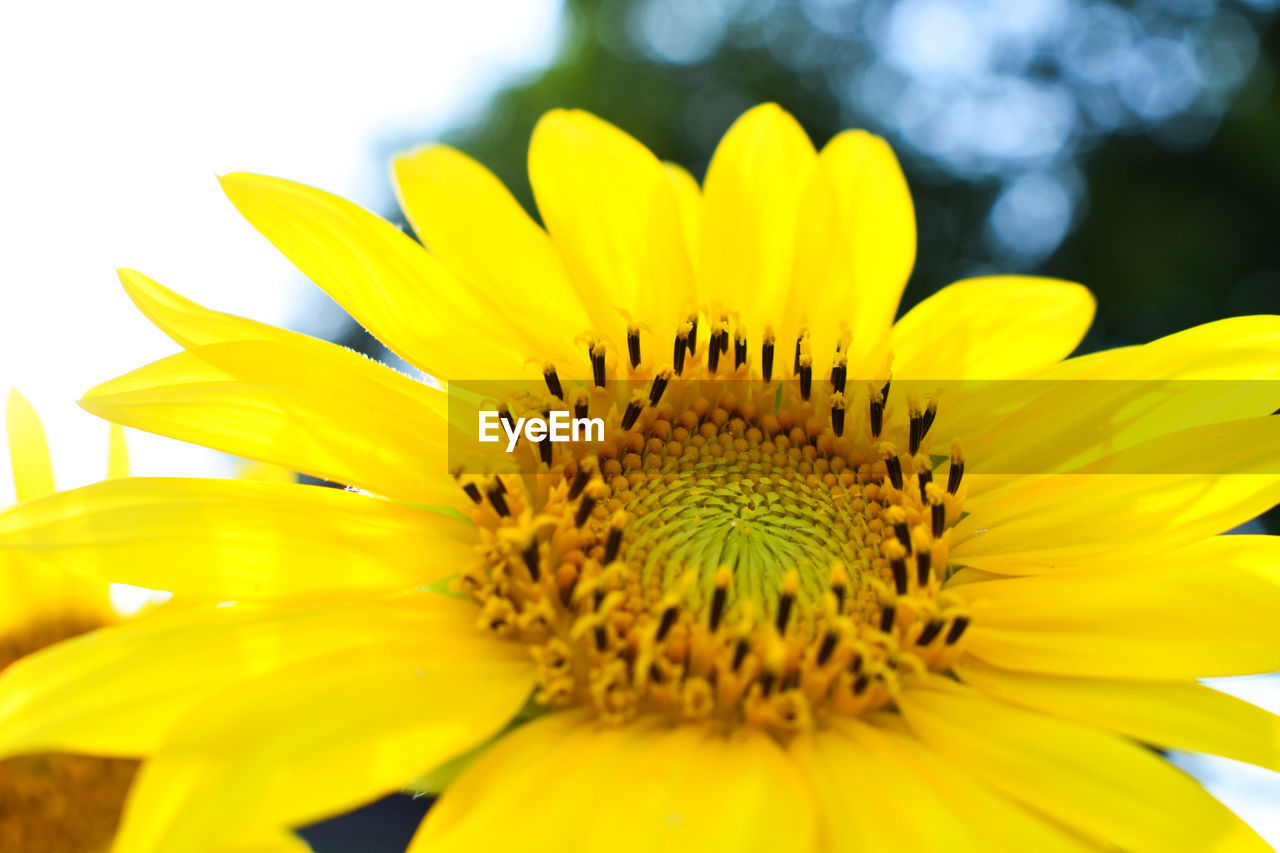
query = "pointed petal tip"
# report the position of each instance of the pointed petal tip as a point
(557, 114)
(237, 184)
(770, 111)
(417, 152)
(93, 399)
(567, 120)
(133, 282)
(426, 163)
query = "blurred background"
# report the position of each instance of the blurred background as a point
(1131, 146)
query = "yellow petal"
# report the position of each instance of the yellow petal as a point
(1221, 475)
(1244, 446)
(117, 453)
(855, 246)
(1105, 787)
(1183, 715)
(1074, 521)
(689, 203)
(193, 325)
(612, 212)
(1233, 348)
(322, 736)
(121, 690)
(35, 591)
(28, 449)
(385, 280)
(751, 198)
(577, 785)
(462, 213)
(1198, 612)
(1054, 427)
(15, 605)
(324, 411)
(997, 327)
(40, 602)
(234, 539)
(878, 789)
(1055, 423)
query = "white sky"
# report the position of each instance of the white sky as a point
(120, 115)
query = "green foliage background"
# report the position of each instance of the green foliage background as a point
(1169, 238)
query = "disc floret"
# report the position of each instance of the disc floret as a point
(738, 548)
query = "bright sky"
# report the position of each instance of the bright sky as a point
(121, 115)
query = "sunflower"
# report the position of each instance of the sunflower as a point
(67, 803)
(765, 611)
(53, 802)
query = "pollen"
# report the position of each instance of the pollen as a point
(755, 549)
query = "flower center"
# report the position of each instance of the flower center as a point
(736, 548)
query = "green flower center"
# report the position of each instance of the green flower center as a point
(729, 551)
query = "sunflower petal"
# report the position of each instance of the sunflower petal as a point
(689, 203)
(322, 736)
(1244, 446)
(1232, 348)
(1053, 427)
(1182, 715)
(1119, 515)
(121, 690)
(1200, 611)
(324, 411)
(385, 280)
(687, 788)
(855, 246)
(117, 453)
(997, 327)
(1106, 787)
(39, 600)
(28, 449)
(191, 324)
(461, 211)
(751, 198)
(612, 212)
(882, 790)
(1121, 505)
(1080, 410)
(33, 592)
(237, 539)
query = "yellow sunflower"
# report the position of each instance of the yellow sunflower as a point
(53, 802)
(57, 802)
(764, 612)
